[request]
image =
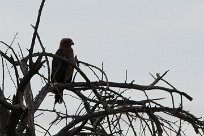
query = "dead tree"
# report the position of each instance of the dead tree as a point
(105, 106)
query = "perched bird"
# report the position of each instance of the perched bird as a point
(61, 71)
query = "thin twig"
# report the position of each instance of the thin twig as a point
(35, 33)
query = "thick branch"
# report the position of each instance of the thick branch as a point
(84, 85)
(177, 112)
(16, 114)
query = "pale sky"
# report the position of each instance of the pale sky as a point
(141, 36)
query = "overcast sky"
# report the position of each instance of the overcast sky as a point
(141, 36)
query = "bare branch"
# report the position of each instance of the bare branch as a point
(35, 32)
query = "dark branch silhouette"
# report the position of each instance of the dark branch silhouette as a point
(104, 106)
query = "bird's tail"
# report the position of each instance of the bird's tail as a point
(59, 97)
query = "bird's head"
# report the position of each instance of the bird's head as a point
(66, 42)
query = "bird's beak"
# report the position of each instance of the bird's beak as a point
(72, 43)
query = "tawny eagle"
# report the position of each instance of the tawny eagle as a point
(61, 71)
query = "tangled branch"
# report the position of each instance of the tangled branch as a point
(105, 107)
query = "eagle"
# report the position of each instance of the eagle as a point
(61, 71)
